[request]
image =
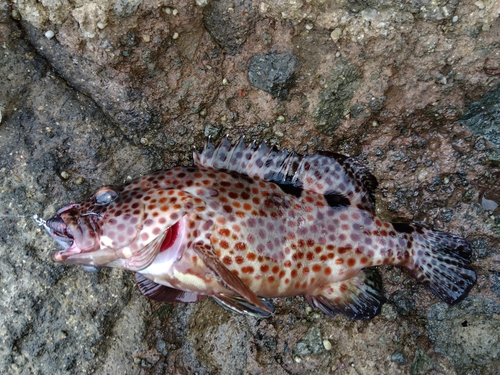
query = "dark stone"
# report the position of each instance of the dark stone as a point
(274, 73)
(335, 100)
(230, 22)
(482, 117)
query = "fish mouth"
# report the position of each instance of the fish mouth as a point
(79, 239)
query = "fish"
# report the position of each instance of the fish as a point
(248, 223)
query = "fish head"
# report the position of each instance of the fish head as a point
(123, 228)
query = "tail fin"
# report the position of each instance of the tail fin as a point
(440, 261)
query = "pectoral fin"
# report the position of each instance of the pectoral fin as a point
(162, 293)
(230, 280)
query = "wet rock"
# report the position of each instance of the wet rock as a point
(483, 119)
(230, 22)
(398, 357)
(466, 334)
(421, 363)
(403, 303)
(495, 285)
(274, 73)
(311, 343)
(335, 99)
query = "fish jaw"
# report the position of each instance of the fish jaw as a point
(128, 232)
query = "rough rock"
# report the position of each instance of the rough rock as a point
(95, 93)
(467, 334)
(274, 73)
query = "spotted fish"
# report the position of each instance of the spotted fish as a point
(248, 223)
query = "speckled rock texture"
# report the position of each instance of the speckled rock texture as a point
(100, 92)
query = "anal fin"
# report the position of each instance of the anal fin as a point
(359, 298)
(162, 293)
(240, 305)
(230, 280)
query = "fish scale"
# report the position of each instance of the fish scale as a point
(248, 223)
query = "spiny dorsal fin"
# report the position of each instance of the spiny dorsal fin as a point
(341, 179)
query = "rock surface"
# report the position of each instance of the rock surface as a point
(95, 93)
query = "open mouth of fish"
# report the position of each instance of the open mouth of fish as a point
(82, 244)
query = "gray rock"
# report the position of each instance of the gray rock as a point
(311, 343)
(274, 73)
(230, 23)
(466, 334)
(483, 119)
(335, 99)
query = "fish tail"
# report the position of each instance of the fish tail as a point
(438, 260)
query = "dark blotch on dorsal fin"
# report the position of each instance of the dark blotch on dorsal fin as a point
(403, 227)
(327, 173)
(336, 200)
(294, 190)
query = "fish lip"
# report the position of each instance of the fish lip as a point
(62, 255)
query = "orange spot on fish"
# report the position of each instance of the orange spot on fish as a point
(224, 244)
(270, 279)
(328, 271)
(275, 269)
(344, 249)
(251, 256)
(227, 260)
(247, 207)
(363, 260)
(351, 262)
(343, 287)
(247, 269)
(264, 268)
(224, 232)
(339, 261)
(240, 246)
(316, 268)
(293, 274)
(239, 259)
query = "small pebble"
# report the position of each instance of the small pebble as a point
(80, 180)
(281, 118)
(101, 25)
(175, 12)
(327, 344)
(64, 175)
(146, 38)
(144, 141)
(175, 36)
(168, 10)
(309, 26)
(225, 82)
(49, 34)
(454, 19)
(223, 118)
(480, 4)
(203, 112)
(297, 359)
(335, 34)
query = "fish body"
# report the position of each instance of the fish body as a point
(249, 223)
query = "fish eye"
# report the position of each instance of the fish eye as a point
(105, 195)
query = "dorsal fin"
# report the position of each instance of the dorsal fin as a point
(340, 178)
